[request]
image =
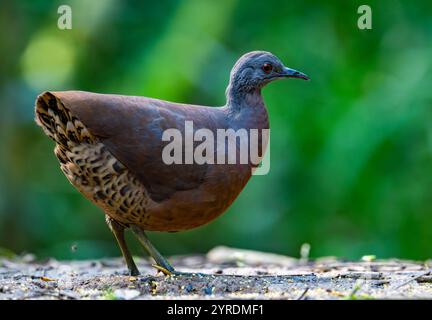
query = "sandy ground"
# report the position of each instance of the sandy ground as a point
(226, 274)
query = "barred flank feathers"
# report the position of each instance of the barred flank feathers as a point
(89, 166)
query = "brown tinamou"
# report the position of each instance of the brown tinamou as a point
(110, 148)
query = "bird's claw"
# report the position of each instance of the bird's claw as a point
(174, 272)
(165, 271)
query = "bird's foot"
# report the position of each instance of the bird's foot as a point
(165, 271)
(173, 272)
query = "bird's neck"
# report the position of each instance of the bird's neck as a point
(238, 100)
(246, 109)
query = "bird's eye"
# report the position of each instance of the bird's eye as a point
(267, 67)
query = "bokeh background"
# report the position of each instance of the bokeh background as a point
(351, 152)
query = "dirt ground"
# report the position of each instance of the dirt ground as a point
(226, 274)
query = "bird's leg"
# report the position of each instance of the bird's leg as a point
(162, 264)
(118, 231)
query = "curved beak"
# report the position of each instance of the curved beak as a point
(291, 73)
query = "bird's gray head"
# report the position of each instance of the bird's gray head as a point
(257, 68)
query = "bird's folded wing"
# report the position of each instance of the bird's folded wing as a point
(132, 129)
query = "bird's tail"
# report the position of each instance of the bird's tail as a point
(58, 123)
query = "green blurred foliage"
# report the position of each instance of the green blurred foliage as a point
(351, 150)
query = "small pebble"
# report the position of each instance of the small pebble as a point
(208, 290)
